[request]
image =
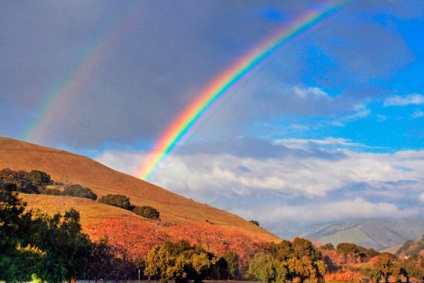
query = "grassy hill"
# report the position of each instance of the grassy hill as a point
(175, 210)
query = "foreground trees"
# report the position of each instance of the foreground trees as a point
(53, 247)
(178, 261)
(288, 261)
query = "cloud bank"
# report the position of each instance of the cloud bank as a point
(299, 187)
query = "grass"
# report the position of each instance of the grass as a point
(69, 168)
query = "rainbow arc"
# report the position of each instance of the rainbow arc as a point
(219, 89)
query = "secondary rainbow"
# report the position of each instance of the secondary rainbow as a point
(219, 89)
(78, 75)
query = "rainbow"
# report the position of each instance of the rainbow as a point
(78, 75)
(220, 88)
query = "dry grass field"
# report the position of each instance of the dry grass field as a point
(62, 166)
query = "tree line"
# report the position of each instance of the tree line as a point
(54, 248)
(39, 182)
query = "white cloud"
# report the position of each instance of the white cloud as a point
(310, 92)
(209, 176)
(327, 142)
(294, 188)
(397, 100)
(344, 210)
(122, 161)
(356, 116)
(417, 114)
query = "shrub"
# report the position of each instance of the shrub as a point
(254, 222)
(79, 191)
(147, 211)
(116, 200)
(39, 178)
(52, 192)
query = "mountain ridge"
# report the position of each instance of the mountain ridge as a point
(380, 235)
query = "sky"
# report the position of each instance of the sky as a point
(327, 127)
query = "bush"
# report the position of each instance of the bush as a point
(29, 183)
(79, 191)
(39, 178)
(116, 200)
(254, 222)
(147, 211)
(52, 192)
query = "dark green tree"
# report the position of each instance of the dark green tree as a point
(232, 263)
(281, 251)
(254, 222)
(67, 249)
(76, 190)
(147, 212)
(39, 178)
(116, 200)
(263, 267)
(13, 245)
(302, 247)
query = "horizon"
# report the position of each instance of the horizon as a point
(330, 124)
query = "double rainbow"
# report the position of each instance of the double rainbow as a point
(220, 88)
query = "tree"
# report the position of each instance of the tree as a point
(282, 251)
(13, 245)
(263, 267)
(300, 268)
(328, 247)
(158, 261)
(255, 222)
(372, 273)
(320, 270)
(39, 178)
(282, 272)
(186, 262)
(67, 248)
(147, 212)
(409, 270)
(116, 200)
(302, 247)
(200, 263)
(232, 263)
(385, 265)
(110, 262)
(79, 191)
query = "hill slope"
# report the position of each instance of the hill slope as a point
(65, 167)
(371, 234)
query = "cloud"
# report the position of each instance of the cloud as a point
(356, 116)
(334, 211)
(311, 92)
(329, 142)
(298, 187)
(410, 99)
(417, 114)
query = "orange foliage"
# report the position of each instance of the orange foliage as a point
(346, 276)
(137, 237)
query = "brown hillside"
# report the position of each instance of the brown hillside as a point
(62, 166)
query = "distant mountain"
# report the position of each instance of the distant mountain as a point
(379, 235)
(410, 248)
(181, 218)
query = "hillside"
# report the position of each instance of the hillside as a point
(379, 235)
(176, 212)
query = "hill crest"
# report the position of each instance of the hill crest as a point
(65, 167)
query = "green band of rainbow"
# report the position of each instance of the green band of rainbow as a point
(215, 92)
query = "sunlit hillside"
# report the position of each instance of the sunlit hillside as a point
(175, 211)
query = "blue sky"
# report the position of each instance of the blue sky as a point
(329, 128)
